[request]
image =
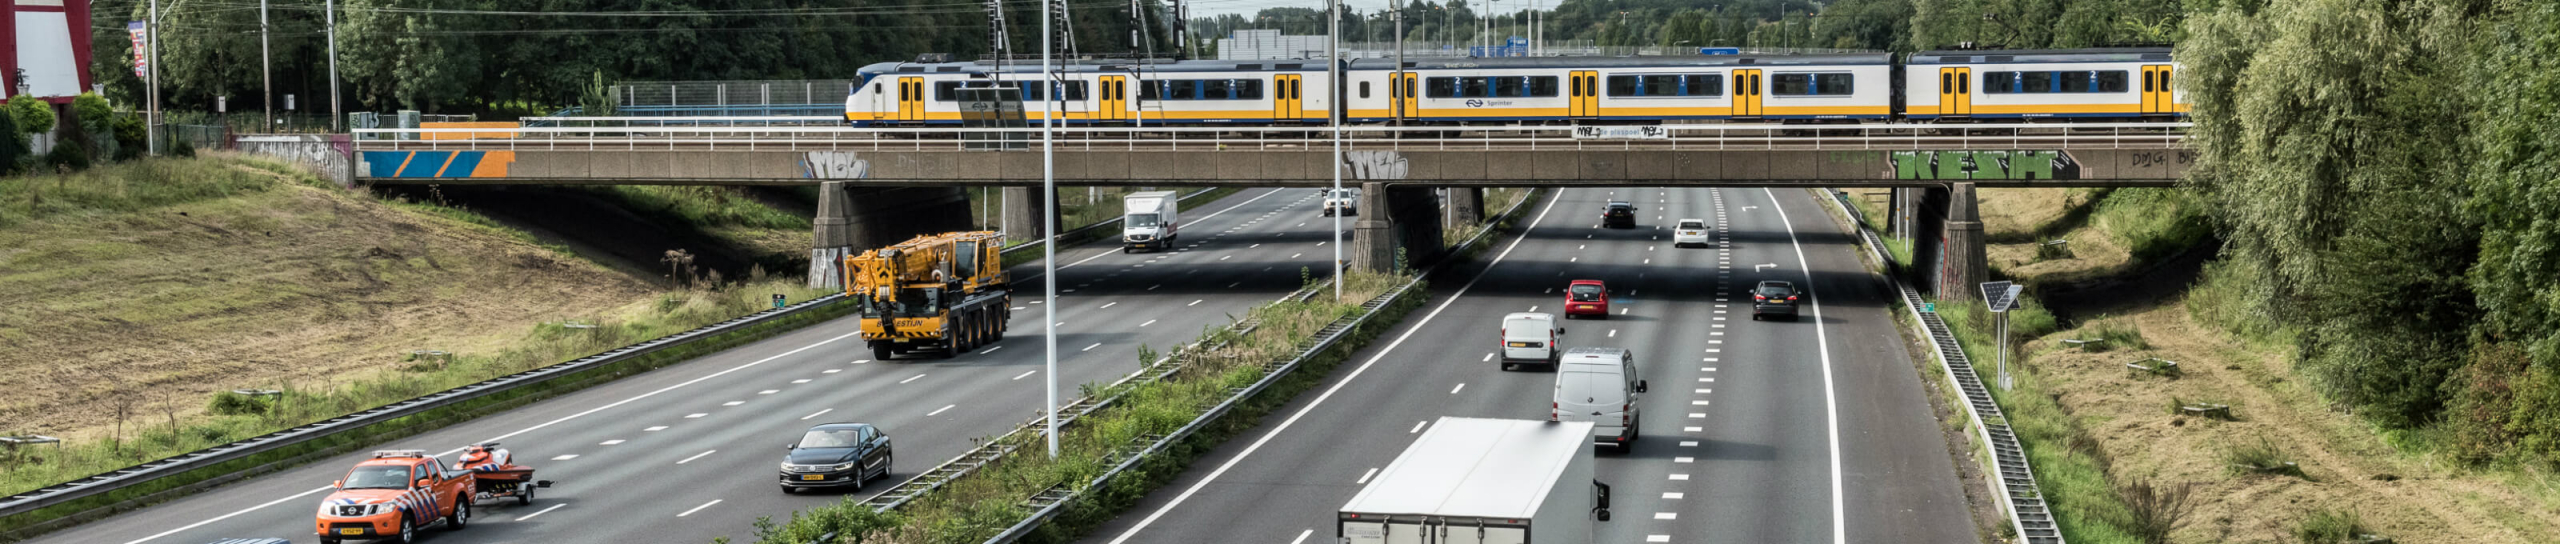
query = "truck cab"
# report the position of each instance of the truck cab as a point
(1149, 220)
(392, 496)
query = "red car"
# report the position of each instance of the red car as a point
(1586, 298)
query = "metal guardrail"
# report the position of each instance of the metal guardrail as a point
(1048, 503)
(2028, 514)
(128, 476)
(1675, 137)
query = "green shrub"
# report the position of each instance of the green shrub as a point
(131, 137)
(2110, 335)
(2261, 458)
(92, 107)
(2154, 222)
(2328, 527)
(234, 404)
(34, 115)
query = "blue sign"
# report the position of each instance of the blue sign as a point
(1518, 41)
(1719, 50)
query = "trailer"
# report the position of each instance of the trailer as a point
(1483, 481)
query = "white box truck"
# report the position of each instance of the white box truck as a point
(1482, 481)
(1149, 220)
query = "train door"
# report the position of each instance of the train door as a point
(911, 99)
(1288, 97)
(1115, 99)
(1746, 93)
(2156, 97)
(1955, 91)
(1401, 90)
(1584, 95)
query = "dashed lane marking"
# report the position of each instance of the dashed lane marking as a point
(819, 413)
(695, 456)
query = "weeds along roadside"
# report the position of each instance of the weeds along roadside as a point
(982, 504)
(2069, 470)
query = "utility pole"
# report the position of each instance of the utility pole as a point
(151, 56)
(1396, 87)
(1333, 116)
(1049, 220)
(331, 7)
(265, 69)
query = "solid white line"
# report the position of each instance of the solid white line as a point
(918, 377)
(1302, 536)
(1090, 348)
(1026, 374)
(699, 508)
(820, 413)
(939, 411)
(1822, 340)
(1364, 478)
(1337, 386)
(544, 511)
(695, 456)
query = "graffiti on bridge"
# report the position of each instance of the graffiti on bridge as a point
(1376, 165)
(834, 165)
(1970, 165)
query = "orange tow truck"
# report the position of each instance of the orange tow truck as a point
(394, 495)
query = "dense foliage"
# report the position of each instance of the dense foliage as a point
(456, 56)
(2402, 237)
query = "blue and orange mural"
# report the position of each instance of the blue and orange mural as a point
(437, 164)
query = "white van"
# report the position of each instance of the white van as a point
(1529, 338)
(1600, 385)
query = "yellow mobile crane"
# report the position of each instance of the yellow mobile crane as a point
(938, 292)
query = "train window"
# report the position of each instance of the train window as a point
(2164, 80)
(1150, 90)
(1793, 84)
(1999, 82)
(1542, 86)
(1364, 89)
(1474, 87)
(2035, 82)
(2074, 81)
(1217, 89)
(1511, 87)
(1622, 85)
(1076, 90)
(1182, 89)
(1440, 87)
(2112, 82)
(1834, 84)
(1662, 85)
(1248, 89)
(1706, 85)
(946, 91)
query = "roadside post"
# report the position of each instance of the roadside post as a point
(2000, 296)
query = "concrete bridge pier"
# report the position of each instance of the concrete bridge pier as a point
(1395, 221)
(851, 220)
(1022, 213)
(1465, 206)
(1962, 264)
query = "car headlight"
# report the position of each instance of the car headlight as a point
(846, 466)
(353, 510)
(786, 466)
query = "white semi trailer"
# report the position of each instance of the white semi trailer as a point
(1483, 481)
(1149, 220)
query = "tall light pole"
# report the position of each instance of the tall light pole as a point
(331, 6)
(151, 54)
(265, 71)
(1333, 116)
(1049, 220)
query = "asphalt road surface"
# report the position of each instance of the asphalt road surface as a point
(689, 452)
(1758, 432)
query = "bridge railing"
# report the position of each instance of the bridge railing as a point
(1686, 137)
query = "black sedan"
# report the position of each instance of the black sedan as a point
(836, 454)
(1618, 215)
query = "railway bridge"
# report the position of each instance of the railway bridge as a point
(884, 185)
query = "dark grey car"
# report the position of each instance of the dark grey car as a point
(834, 455)
(1773, 298)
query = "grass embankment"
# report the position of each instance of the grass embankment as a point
(727, 213)
(2104, 232)
(1496, 200)
(982, 504)
(2261, 458)
(137, 291)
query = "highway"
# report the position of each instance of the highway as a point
(1753, 432)
(687, 453)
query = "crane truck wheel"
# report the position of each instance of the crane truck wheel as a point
(880, 351)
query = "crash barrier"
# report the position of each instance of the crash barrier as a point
(1050, 503)
(2020, 496)
(209, 457)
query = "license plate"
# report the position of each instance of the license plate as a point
(1524, 344)
(813, 476)
(350, 531)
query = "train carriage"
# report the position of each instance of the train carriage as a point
(2118, 83)
(1640, 89)
(1111, 92)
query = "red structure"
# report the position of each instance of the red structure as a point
(47, 48)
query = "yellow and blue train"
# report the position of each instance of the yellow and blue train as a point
(2121, 84)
